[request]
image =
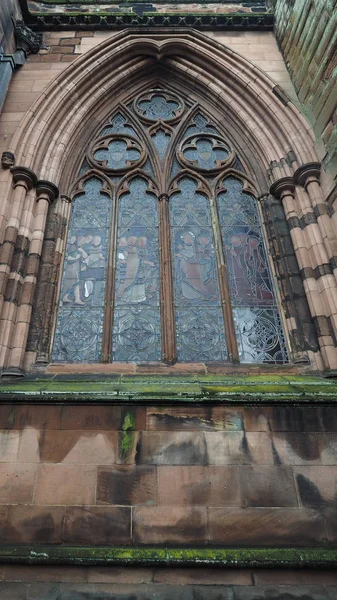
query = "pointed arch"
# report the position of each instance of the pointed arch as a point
(240, 92)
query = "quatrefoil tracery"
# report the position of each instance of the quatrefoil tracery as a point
(117, 154)
(205, 153)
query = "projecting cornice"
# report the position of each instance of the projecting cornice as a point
(79, 15)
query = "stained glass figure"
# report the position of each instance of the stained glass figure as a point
(137, 318)
(250, 279)
(196, 287)
(119, 153)
(204, 152)
(79, 326)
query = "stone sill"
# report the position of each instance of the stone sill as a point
(158, 556)
(157, 389)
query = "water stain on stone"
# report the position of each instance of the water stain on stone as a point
(309, 492)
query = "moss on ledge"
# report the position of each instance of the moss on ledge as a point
(224, 557)
(199, 388)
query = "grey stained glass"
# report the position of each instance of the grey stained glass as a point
(196, 290)
(158, 107)
(200, 125)
(205, 153)
(119, 124)
(259, 330)
(78, 336)
(118, 155)
(136, 331)
(161, 140)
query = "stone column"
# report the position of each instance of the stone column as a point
(285, 190)
(46, 192)
(10, 278)
(44, 310)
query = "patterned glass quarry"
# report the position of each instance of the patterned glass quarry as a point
(199, 322)
(158, 107)
(161, 140)
(119, 124)
(136, 331)
(78, 336)
(252, 292)
(118, 155)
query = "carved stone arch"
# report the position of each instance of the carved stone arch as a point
(242, 93)
(274, 136)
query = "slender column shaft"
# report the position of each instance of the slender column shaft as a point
(166, 285)
(284, 189)
(46, 192)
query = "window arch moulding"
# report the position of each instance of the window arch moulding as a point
(273, 138)
(166, 258)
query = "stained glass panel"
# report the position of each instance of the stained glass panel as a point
(161, 140)
(118, 155)
(250, 279)
(196, 290)
(119, 124)
(79, 326)
(159, 106)
(136, 333)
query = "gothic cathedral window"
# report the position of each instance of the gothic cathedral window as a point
(165, 258)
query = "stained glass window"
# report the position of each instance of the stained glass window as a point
(165, 222)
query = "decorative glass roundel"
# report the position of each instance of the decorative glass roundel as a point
(159, 105)
(204, 153)
(117, 153)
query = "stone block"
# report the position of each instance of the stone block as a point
(169, 525)
(194, 485)
(267, 486)
(317, 485)
(231, 448)
(266, 527)
(17, 483)
(97, 525)
(65, 484)
(33, 525)
(171, 448)
(296, 448)
(128, 485)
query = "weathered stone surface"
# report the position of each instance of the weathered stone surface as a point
(128, 485)
(317, 485)
(169, 525)
(269, 527)
(171, 448)
(193, 485)
(33, 525)
(267, 486)
(97, 525)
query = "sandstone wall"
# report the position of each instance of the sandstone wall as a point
(186, 475)
(307, 34)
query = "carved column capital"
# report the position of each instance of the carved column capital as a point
(66, 198)
(46, 190)
(308, 171)
(279, 187)
(25, 176)
(162, 197)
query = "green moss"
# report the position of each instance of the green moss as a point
(127, 437)
(160, 388)
(230, 557)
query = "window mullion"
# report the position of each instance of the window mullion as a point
(233, 353)
(166, 283)
(110, 287)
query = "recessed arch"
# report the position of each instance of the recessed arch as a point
(239, 91)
